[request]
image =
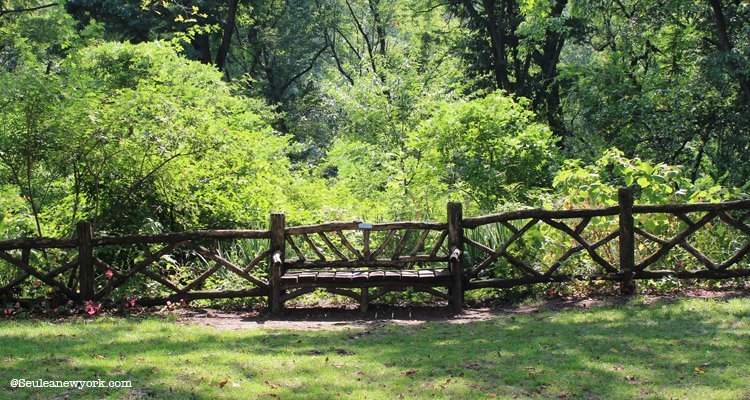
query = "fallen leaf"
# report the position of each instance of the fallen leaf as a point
(410, 372)
(222, 384)
(699, 371)
(99, 356)
(618, 368)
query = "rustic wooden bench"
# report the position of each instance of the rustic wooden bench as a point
(374, 258)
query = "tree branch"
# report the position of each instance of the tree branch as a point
(304, 71)
(29, 9)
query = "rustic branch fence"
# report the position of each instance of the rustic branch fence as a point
(621, 243)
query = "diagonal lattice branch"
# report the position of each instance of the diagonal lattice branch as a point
(150, 258)
(494, 255)
(668, 245)
(578, 238)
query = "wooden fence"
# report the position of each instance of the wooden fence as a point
(625, 242)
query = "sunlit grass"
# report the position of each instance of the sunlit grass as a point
(691, 348)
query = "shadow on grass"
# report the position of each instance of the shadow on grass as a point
(684, 349)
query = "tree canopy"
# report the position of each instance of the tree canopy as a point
(170, 115)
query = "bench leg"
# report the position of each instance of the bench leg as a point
(456, 295)
(364, 300)
(275, 301)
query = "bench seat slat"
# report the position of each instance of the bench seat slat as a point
(424, 276)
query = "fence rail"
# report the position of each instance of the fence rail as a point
(621, 243)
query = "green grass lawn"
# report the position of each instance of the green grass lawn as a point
(690, 348)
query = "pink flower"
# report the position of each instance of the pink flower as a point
(109, 274)
(91, 309)
(182, 302)
(132, 303)
(37, 283)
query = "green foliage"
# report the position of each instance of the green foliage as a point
(492, 149)
(172, 141)
(577, 185)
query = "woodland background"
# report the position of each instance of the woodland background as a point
(145, 116)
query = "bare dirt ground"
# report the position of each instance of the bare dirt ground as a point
(346, 317)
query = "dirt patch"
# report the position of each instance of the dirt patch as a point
(347, 318)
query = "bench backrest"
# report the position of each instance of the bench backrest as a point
(354, 245)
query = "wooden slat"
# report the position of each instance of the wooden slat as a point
(439, 243)
(331, 246)
(325, 276)
(366, 246)
(400, 245)
(377, 275)
(382, 263)
(343, 276)
(314, 247)
(360, 276)
(354, 225)
(290, 278)
(410, 276)
(348, 245)
(294, 247)
(382, 245)
(426, 273)
(392, 275)
(420, 243)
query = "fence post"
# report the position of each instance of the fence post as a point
(85, 260)
(278, 224)
(455, 250)
(627, 240)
